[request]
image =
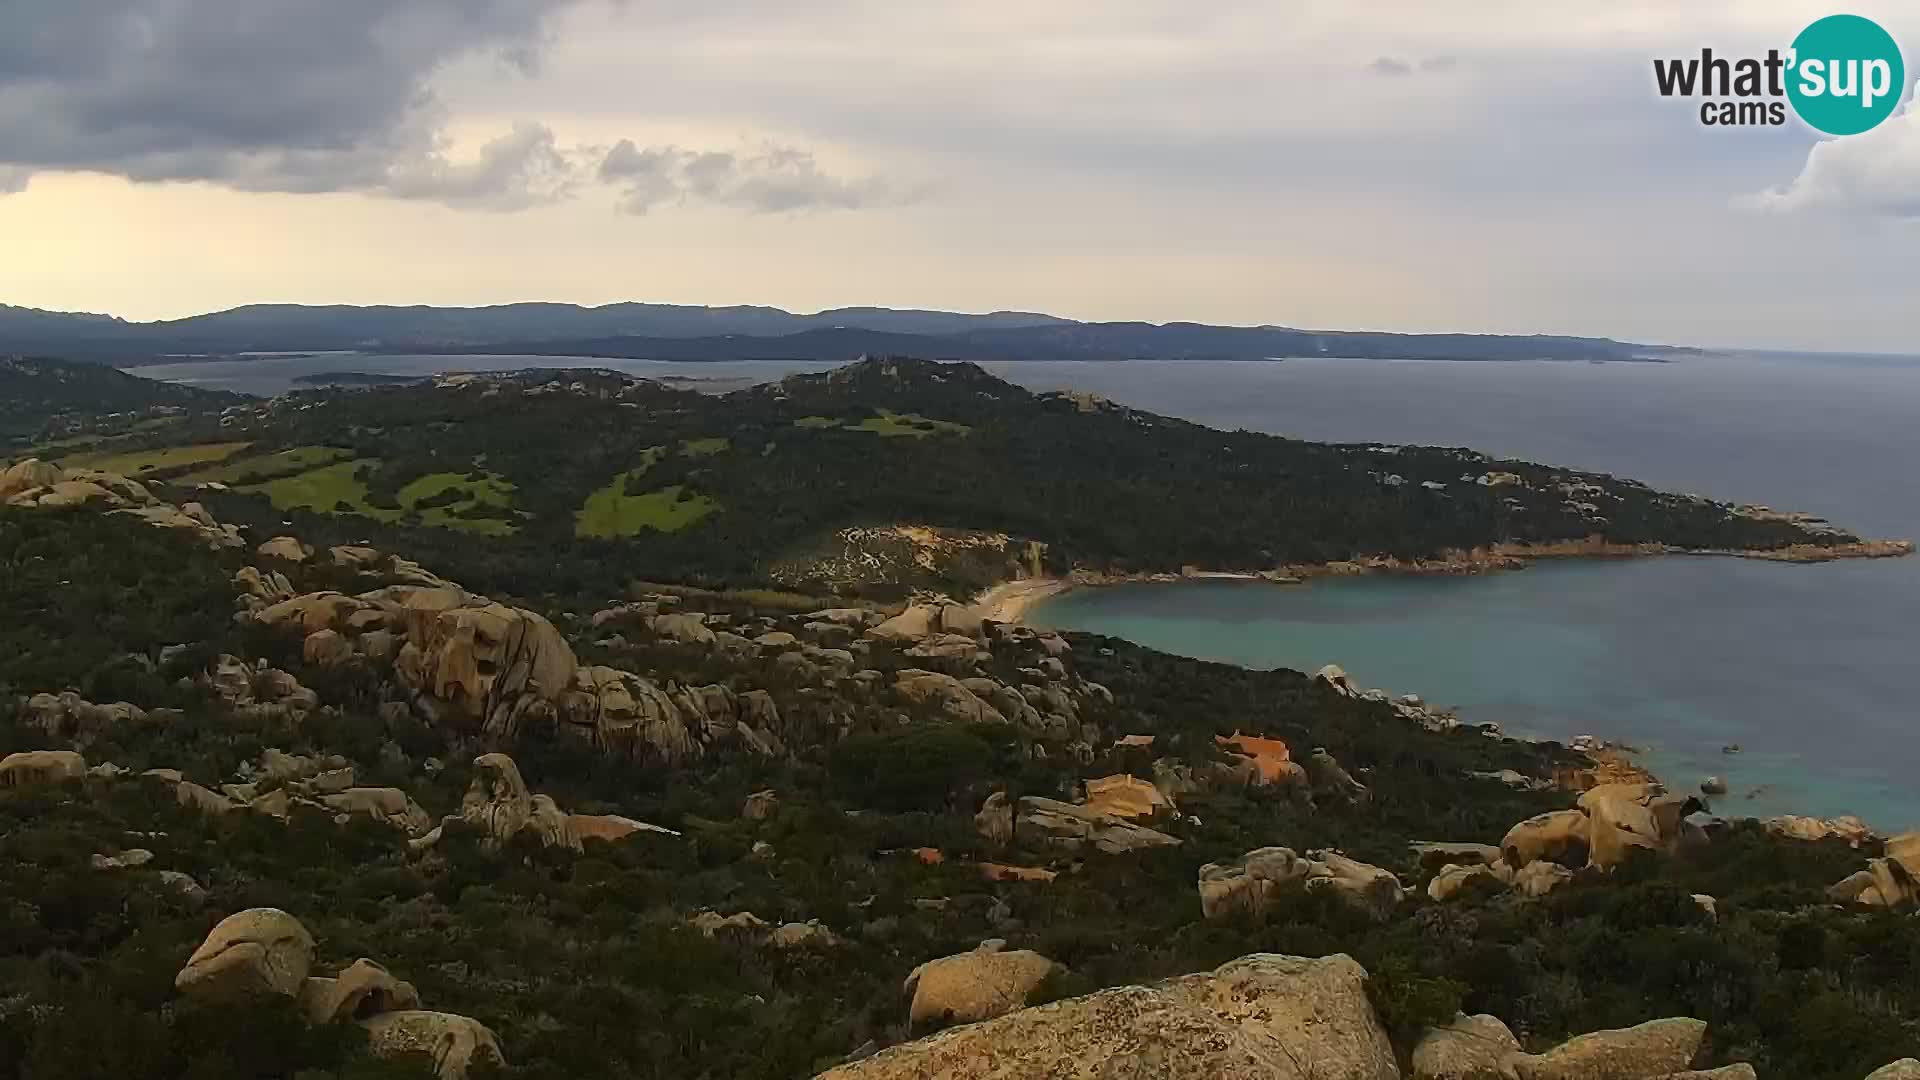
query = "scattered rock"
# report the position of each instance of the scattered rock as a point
(807, 935)
(1473, 880)
(251, 954)
(31, 768)
(1125, 797)
(364, 989)
(760, 805)
(1713, 785)
(1653, 1049)
(713, 924)
(452, 1043)
(126, 860)
(1469, 1048)
(1052, 823)
(995, 819)
(977, 985)
(285, 547)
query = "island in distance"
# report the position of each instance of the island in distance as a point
(676, 332)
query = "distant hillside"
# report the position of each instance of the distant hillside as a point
(569, 472)
(52, 395)
(676, 332)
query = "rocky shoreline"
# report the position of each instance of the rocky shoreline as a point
(1609, 762)
(1010, 601)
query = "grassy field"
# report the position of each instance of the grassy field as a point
(489, 490)
(888, 425)
(325, 490)
(335, 488)
(705, 447)
(247, 470)
(135, 463)
(611, 512)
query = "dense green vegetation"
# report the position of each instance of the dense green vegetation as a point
(138, 462)
(673, 485)
(69, 403)
(585, 965)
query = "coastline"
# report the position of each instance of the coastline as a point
(1010, 601)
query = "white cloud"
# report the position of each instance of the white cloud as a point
(520, 169)
(770, 179)
(1875, 173)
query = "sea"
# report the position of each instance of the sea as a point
(1811, 672)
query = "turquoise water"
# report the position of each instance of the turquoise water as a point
(1811, 669)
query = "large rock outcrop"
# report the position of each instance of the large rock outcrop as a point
(1123, 796)
(453, 1044)
(1262, 1017)
(487, 663)
(1649, 1051)
(31, 768)
(35, 484)
(265, 952)
(1051, 823)
(1252, 883)
(251, 954)
(1469, 1048)
(362, 990)
(990, 981)
(1891, 881)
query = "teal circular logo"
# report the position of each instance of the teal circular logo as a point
(1845, 75)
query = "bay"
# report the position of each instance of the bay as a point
(1810, 669)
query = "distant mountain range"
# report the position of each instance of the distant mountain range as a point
(692, 333)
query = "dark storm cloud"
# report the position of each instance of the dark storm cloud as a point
(770, 179)
(274, 95)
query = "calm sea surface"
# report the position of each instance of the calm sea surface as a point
(1811, 669)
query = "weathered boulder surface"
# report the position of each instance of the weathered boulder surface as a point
(389, 806)
(250, 954)
(1261, 1017)
(364, 989)
(1848, 828)
(1552, 836)
(995, 819)
(1051, 823)
(1251, 883)
(946, 695)
(30, 768)
(1656, 1048)
(1904, 1069)
(41, 485)
(452, 1043)
(1125, 797)
(761, 805)
(1469, 1048)
(67, 715)
(1471, 880)
(1892, 881)
(486, 662)
(285, 547)
(979, 985)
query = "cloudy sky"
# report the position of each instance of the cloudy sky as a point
(1482, 165)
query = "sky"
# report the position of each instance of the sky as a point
(1497, 166)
